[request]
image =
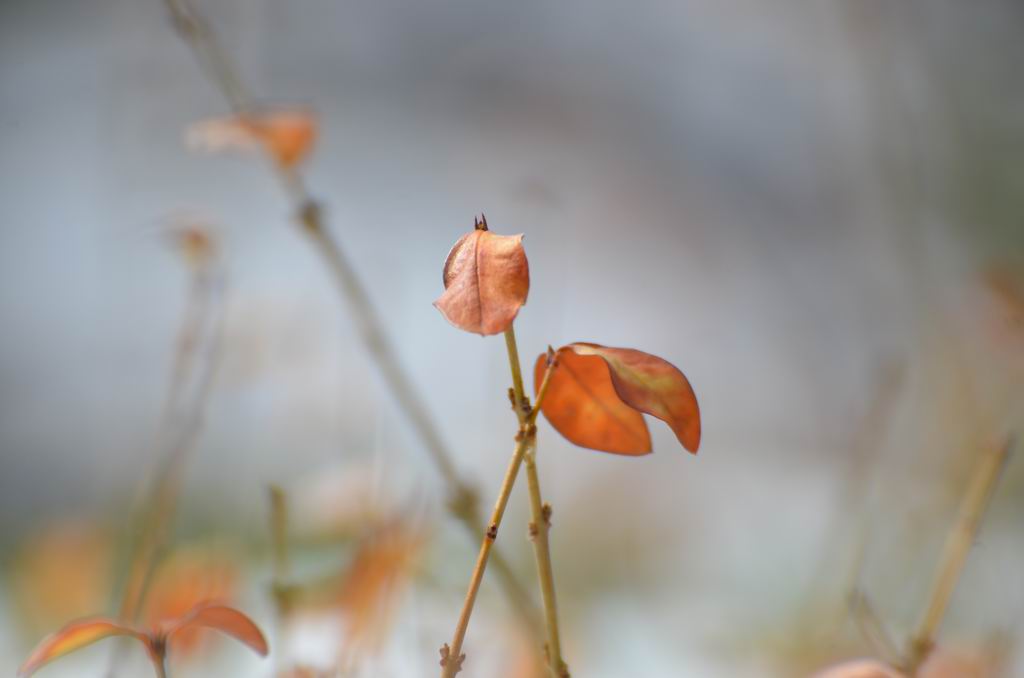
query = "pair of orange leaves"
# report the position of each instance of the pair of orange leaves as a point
(596, 394)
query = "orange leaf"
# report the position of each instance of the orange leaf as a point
(225, 619)
(383, 563)
(189, 576)
(75, 635)
(597, 393)
(486, 280)
(582, 405)
(286, 135)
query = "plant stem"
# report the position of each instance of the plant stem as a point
(279, 532)
(539, 527)
(196, 358)
(520, 403)
(462, 498)
(160, 665)
(958, 545)
(540, 513)
(451, 655)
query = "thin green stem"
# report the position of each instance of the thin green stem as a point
(462, 498)
(958, 546)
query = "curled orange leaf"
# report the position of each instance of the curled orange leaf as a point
(286, 135)
(597, 393)
(224, 619)
(486, 281)
(75, 635)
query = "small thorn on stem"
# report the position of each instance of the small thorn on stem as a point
(492, 532)
(446, 656)
(545, 513)
(533, 530)
(481, 223)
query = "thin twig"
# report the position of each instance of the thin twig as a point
(279, 532)
(872, 628)
(540, 525)
(540, 522)
(183, 422)
(196, 358)
(451, 655)
(958, 546)
(462, 498)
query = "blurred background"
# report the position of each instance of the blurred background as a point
(813, 209)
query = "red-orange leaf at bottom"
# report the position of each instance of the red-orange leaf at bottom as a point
(87, 631)
(226, 620)
(75, 635)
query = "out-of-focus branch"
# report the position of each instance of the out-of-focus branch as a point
(196, 357)
(462, 498)
(958, 546)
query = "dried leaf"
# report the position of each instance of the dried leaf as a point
(286, 135)
(486, 280)
(382, 566)
(75, 635)
(582, 405)
(597, 393)
(225, 619)
(189, 576)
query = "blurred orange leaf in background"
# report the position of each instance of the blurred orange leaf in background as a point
(78, 634)
(61, 572)
(286, 135)
(383, 563)
(597, 393)
(222, 618)
(188, 576)
(75, 635)
(486, 281)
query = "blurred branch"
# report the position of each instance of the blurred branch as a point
(196, 359)
(195, 362)
(958, 545)
(463, 498)
(872, 628)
